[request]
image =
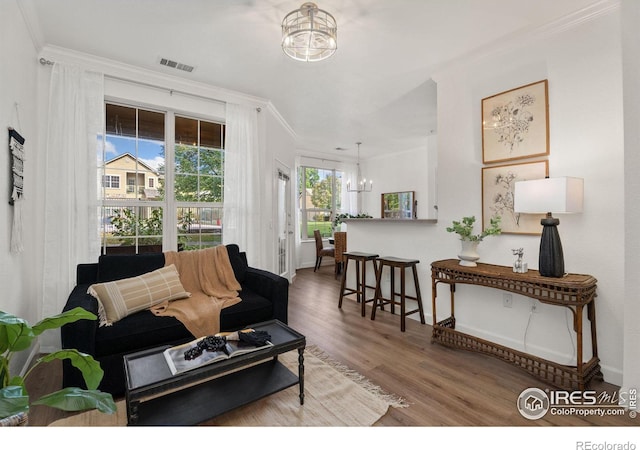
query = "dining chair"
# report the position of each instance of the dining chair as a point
(321, 249)
(340, 245)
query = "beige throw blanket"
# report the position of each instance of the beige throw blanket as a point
(207, 274)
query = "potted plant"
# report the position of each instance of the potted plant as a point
(17, 335)
(470, 241)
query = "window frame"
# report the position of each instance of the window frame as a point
(168, 204)
(335, 197)
(110, 184)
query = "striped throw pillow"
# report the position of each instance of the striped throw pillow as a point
(118, 299)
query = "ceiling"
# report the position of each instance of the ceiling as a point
(376, 89)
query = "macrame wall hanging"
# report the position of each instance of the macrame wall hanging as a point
(16, 149)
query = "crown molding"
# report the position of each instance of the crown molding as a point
(127, 72)
(135, 74)
(281, 120)
(527, 35)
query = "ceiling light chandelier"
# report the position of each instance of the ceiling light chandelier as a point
(361, 184)
(309, 34)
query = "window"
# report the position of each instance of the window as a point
(319, 199)
(134, 149)
(111, 181)
(199, 182)
(136, 216)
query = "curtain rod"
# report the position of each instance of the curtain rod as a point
(46, 62)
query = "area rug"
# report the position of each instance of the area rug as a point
(334, 396)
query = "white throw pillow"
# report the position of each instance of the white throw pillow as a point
(118, 299)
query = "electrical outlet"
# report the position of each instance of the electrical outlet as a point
(507, 300)
(534, 305)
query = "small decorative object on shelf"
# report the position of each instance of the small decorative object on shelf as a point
(469, 255)
(519, 266)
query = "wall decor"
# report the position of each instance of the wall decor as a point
(498, 183)
(16, 150)
(16, 198)
(515, 123)
(398, 205)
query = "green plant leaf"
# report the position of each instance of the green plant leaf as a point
(465, 228)
(15, 333)
(90, 368)
(13, 400)
(76, 399)
(59, 320)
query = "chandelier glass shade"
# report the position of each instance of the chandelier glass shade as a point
(309, 34)
(362, 185)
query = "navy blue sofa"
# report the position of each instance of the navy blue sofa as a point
(264, 295)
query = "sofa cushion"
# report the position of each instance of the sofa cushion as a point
(238, 263)
(117, 267)
(144, 330)
(118, 299)
(252, 309)
(139, 331)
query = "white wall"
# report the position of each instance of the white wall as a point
(582, 62)
(279, 143)
(409, 170)
(631, 74)
(18, 85)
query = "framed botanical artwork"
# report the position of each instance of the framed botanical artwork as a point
(498, 184)
(515, 123)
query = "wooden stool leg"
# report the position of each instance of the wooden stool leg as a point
(403, 308)
(378, 294)
(358, 288)
(364, 287)
(342, 283)
(392, 296)
(418, 296)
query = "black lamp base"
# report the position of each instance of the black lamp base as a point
(551, 259)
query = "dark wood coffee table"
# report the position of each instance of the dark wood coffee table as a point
(156, 397)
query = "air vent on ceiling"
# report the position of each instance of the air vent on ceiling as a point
(176, 65)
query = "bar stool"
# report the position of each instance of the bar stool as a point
(361, 277)
(379, 301)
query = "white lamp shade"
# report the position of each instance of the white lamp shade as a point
(556, 195)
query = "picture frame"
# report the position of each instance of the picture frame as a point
(515, 123)
(498, 184)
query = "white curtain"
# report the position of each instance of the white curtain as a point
(242, 180)
(75, 124)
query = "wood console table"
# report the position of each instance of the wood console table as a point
(573, 291)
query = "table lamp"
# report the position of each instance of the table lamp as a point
(547, 195)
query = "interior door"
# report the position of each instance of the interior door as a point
(284, 223)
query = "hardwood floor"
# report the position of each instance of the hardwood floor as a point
(444, 387)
